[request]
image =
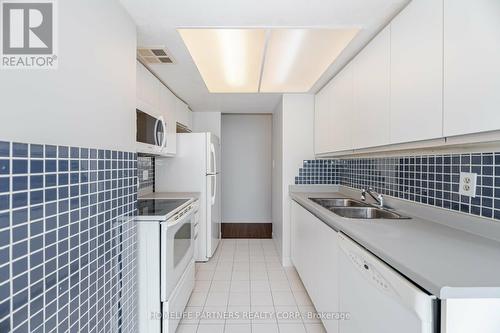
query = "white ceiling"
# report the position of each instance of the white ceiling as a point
(157, 21)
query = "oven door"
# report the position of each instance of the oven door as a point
(177, 250)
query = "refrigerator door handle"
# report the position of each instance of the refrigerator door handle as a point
(213, 157)
(214, 188)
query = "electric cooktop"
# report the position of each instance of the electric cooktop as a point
(158, 208)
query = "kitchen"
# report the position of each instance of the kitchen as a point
(176, 166)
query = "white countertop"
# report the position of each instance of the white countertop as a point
(447, 262)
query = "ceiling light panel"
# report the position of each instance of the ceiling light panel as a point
(229, 60)
(296, 58)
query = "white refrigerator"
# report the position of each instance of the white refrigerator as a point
(196, 168)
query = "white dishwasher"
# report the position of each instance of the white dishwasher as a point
(377, 298)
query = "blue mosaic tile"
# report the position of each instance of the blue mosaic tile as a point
(36, 151)
(4, 220)
(36, 182)
(50, 180)
(62, 166)
(19, 149)
(20, 249)
(50, 194)
(4, 167)
(63, 152)
(4, 202)
(36, 166)
(19, 166)
(428, 179)
(4, 149)
(4, 308)
(5, 291)
(4, 260)
(4, 184)
(19, 199)
(36, 212)
(50, 151)
(19, 216)
(72, 212)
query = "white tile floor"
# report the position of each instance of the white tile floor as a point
(244, 289)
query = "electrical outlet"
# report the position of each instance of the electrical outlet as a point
(468, 184)
(145, 175)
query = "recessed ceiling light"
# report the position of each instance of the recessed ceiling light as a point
(229, 60)
(238, 60)
(296, 58)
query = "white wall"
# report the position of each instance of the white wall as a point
(207, 122)
(90, 99)
(246, 168)
(277, 182)
(296, 121)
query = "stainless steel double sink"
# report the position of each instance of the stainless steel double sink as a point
(354, 209)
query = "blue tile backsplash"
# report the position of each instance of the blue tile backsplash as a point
(67, 239)
(428, 179)
(146, 163)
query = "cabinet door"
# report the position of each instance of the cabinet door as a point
(315, 256)
(372, 93)
(148, 90)
(168, 110)
(184, 115)
(342, 109)
(323, 121)
(334, 114)
(417, 72)
(471, 66)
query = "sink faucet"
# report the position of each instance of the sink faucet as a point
(376, 196)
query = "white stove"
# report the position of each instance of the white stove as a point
(166, 231)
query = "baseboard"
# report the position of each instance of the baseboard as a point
(287, 262)
(247, 230)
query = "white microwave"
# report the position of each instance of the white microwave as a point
(151, 134)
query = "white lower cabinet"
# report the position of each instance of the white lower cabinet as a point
(315, 252)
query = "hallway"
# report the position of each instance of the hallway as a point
(244, 288)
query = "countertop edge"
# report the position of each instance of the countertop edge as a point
(170, 195)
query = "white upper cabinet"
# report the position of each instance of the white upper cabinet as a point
(342, 110)
(372, 93)
(323, 121)
(434, 72)
(417, 72)
(168, 111)
(334, 114)
(471, 66)
(184, 115)
(147, 90)
(155, 98)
